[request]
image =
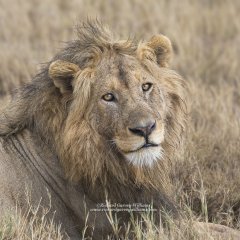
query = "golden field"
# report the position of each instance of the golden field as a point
(206, 40)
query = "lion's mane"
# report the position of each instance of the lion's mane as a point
(63, 124)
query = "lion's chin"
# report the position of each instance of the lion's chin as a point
(145, 156)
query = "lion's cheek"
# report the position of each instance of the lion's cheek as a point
(157, 137)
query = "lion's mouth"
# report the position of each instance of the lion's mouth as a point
(146, 145)
(145, 155)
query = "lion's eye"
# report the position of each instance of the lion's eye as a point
(146, 86)
(109, 97)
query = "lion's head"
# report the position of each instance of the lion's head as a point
(108, 106)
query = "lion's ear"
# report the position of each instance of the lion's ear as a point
(62, 73)
(162, 49)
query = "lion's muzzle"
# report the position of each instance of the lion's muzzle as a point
(141, 145)
(144, 130)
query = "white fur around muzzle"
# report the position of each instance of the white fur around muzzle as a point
(145, 156)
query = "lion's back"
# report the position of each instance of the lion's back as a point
(8, 182)
(15, 177)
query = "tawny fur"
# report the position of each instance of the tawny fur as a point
(59, 110)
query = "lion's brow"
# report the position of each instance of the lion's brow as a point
(123, 75)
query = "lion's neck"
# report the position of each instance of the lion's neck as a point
(42, 163)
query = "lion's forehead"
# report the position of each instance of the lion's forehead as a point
(123, 71)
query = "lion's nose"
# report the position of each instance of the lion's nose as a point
(145, 130)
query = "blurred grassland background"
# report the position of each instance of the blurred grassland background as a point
(206, 39)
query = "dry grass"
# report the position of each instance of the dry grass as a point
(30, 225)
(206, 38)
(24, 227)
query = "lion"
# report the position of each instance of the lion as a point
(101, 121)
